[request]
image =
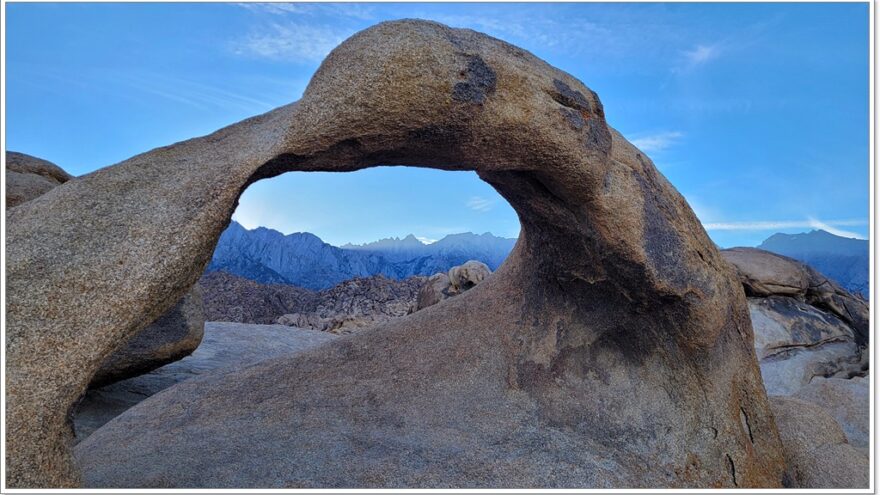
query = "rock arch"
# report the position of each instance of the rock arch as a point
(618, 345)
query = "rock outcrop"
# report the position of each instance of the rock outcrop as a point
(442, 286)
(236, 299)
(810, 338)
(612, 292)
(434, 290)
(805, 325)
(765, 274)
(468, 275)
(816, 450)
(225, 345)
(28, 177)
(357, 304)
(175, 335)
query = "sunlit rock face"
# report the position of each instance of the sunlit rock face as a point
(613, 348)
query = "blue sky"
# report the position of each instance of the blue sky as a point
(757, 113)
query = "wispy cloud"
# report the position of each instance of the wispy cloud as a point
(354, 10)
(298, 32)
(817, 224)
(701, 54)
(660, 141)
(296, 41)
(830, 226)
(183, 90)
(425, 240)
(479, 203)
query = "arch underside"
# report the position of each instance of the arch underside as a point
(612, 348)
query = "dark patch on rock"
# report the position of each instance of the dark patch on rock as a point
(661, 243)
(571, 98)
(532, 376)
(480, 81)
(599, 137)
(600, 109)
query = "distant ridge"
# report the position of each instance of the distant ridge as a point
(842, 259)
(303, 259)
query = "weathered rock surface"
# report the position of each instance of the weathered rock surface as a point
(28, 177)
(175, 335)
(224, 345)
(765, 274)
(357, 304)
(816, 450)
(848, 401)
(434, 290)
(613, 292)
(808, 333)
(796, 342)
(805, 325)
(468, 275)
(442, 286)
(237, 299)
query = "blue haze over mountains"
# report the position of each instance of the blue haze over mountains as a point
(303, 259)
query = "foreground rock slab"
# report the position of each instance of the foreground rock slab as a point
(848, 401)
(816, 450)
(613, 348)
(225, 345)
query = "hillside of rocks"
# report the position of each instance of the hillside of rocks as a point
(356, 304)
(348, 306)
(237, 299)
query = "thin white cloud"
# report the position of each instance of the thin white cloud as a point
(425, 240)
(656, 142)
(353, 10)
(479, 203)
(811, 223)
(701, 54)
(295, 41)
(817, 224)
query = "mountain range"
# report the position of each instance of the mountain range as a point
(303, 259)
(842, 259)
